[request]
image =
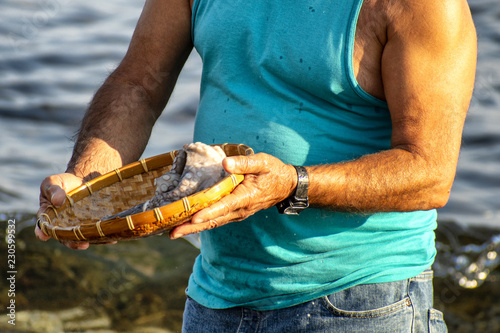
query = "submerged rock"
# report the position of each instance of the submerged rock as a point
(140, 286)
(123, 287)
(34, 321)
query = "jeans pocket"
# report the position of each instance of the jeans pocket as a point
(436, 322)
(391, 309)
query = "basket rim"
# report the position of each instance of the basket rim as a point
(187, 205)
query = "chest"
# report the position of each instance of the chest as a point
(322, 46)
(369, 42)
(303, 45)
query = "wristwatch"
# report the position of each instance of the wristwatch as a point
(298, 201)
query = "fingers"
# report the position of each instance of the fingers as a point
(191, 228)
(40, 234)
(53, 188)
(231, 208)
(85, 245)
(57, 195)
(53, 192)
(266, 182)
(76, 245)
(252, 164)
(72, 245)
(228, 209)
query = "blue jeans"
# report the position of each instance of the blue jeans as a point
(402, 306)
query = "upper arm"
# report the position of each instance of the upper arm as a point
(428, 69)
(158, 50)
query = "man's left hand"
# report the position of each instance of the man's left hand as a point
(267, 182)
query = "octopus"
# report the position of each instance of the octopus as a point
(196, 167)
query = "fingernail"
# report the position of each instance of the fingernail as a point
(196, 221)
(230, 164)
(55, 201)
(176, 235)
(82, 246)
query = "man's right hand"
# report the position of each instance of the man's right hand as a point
(53, 192)
(118, 123)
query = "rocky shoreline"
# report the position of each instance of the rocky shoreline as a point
(124, 287)
(138, 286)
(475, 310)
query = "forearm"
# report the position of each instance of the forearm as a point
(393, 180)
(115, 129)
(428, 67)
(118, 124)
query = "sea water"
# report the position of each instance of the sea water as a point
(54, 54)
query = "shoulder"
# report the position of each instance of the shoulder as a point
(429, 20)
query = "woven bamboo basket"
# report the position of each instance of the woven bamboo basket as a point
(79, 218)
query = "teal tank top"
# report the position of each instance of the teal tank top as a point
(278, 76)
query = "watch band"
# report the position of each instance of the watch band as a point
(299, 201)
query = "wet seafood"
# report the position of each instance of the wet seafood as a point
(195, 168)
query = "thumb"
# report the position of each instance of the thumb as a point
(54, 188)
(252, 164)
(57, 195)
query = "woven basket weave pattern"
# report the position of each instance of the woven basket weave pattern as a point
(79, 217)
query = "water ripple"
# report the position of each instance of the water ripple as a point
(54, 54)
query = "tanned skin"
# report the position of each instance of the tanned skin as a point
(418, 55)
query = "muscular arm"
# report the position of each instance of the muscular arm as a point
(118, 123)
(428, 67)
